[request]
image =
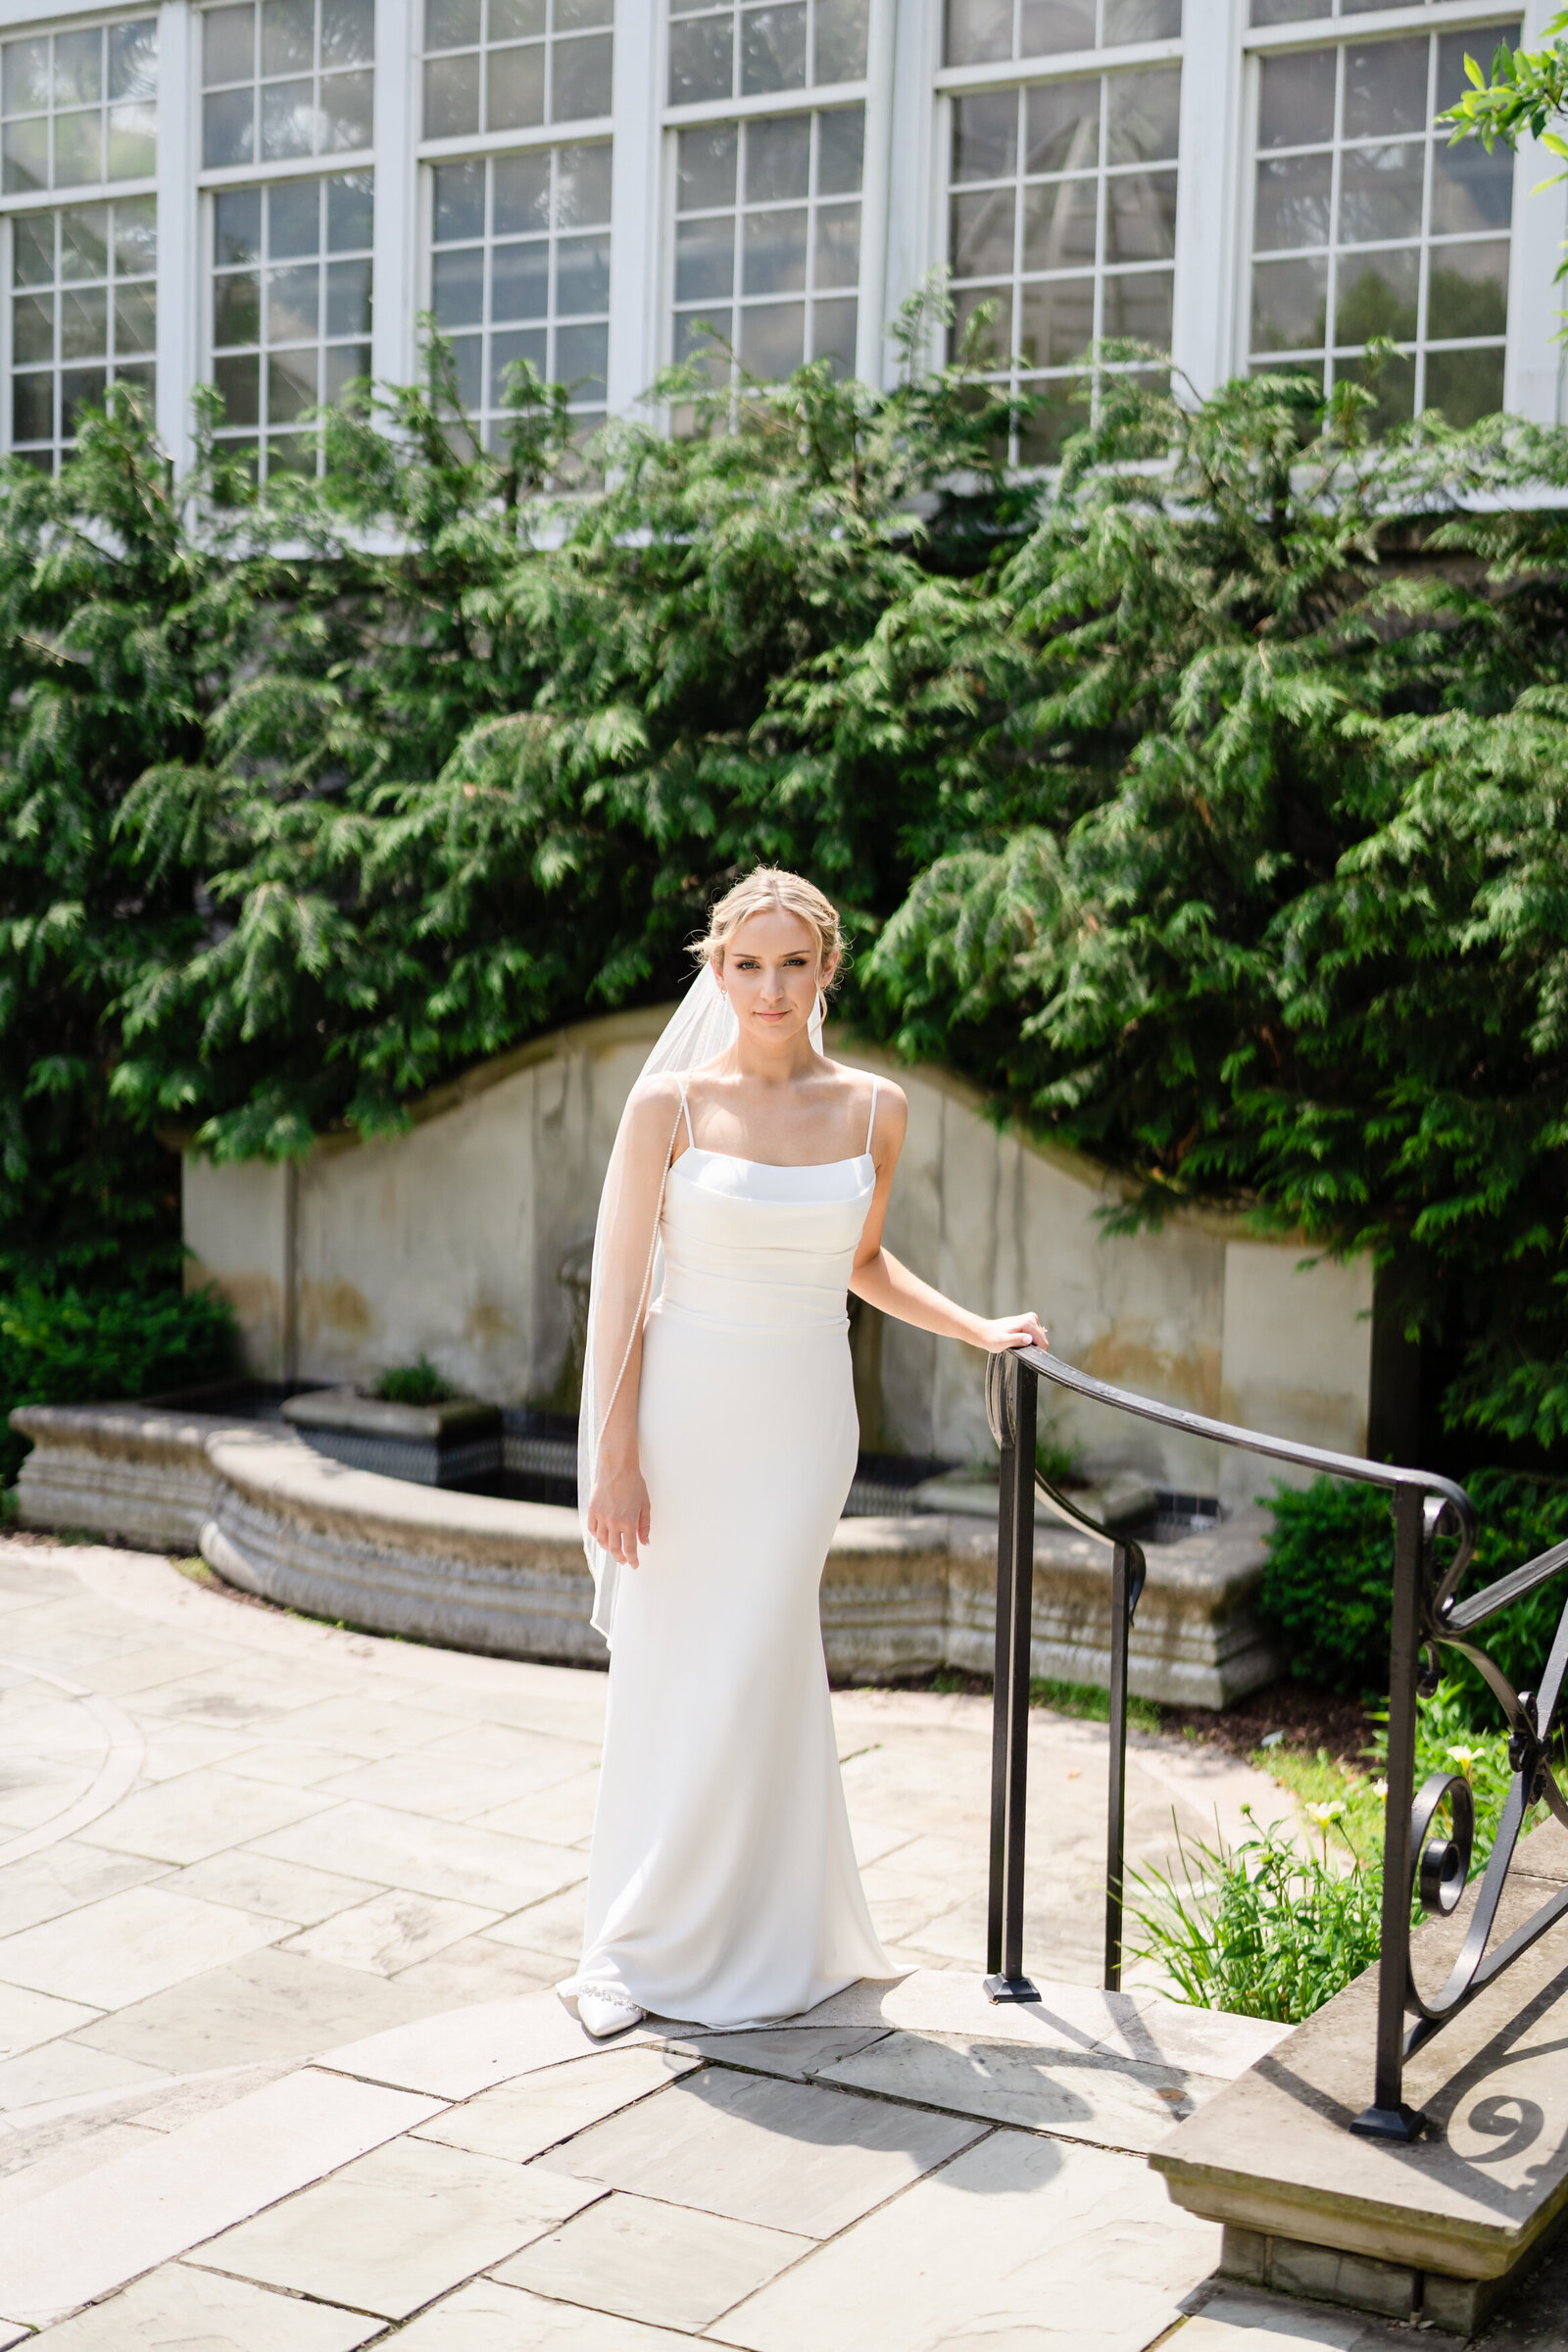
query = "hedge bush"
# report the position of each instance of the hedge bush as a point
(1328, 1584)
(70, 1346)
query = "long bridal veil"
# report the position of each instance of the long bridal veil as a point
(626, 1269)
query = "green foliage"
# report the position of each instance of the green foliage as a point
(60, 1346)
(1260, 1927)
(419, 1382)
(1329, 1577)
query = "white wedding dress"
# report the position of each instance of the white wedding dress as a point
(722, 1886)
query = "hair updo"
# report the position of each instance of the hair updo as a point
(765, 890)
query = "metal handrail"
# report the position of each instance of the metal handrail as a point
(1420, 1862)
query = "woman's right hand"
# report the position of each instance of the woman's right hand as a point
(618, 1516)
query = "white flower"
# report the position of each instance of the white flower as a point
(1324, 1813)
(1380, 1788)
(1464, 1757)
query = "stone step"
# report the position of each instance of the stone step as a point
(1442, 2228)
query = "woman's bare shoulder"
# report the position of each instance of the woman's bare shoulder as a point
(653, 1102)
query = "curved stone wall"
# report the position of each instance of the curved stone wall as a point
(467, 1239)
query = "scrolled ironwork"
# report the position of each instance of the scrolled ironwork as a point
(1442, 1865)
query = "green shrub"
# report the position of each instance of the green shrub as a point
(75, 1346)
(1329, 1582)
(417, 1383)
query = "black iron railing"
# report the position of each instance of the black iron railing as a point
(1422, 1860)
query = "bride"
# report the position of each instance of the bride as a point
(719, 1441)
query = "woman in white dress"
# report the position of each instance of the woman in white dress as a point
(720, 1442)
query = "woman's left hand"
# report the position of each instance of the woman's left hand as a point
(1013, 1331)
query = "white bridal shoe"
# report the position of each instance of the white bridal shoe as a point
(602, 2013)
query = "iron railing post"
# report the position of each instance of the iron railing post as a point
(1121, 1600)
(1388, 2117)
(1016, 1576)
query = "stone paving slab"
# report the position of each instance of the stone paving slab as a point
(520, 2120)
(671, 2266)
(179, 2309)
(491, 2317)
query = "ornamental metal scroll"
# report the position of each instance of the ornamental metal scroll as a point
(1422, 1864)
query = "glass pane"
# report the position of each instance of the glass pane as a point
(348, 298)
(507, 351)
(288, 120)
(288, 36)
(519, 284)
(345, 363)
(1057, 321)
(1058, 223)
(1376, 295)
(467, 354)
(979, 31)
(1385, 88)
(837, 260)
(1143, 112)
(772, 339)
(1064, 411)
(772, 49)
(1393, 381)
(705, 167)
(229, 129)
(458, 209)
(291, 453)
(1138, 306)
(237, 307)
(294, 218)
(522, 193)
(1296, 100)
(582, 355)
(136, 236)
(981, 230)
(582, 274)
(451, 23)
(451, 97)
(132, 142)
(579, 16)
(840, 151)
(1051, 26)
(238, 380)
(32, 249)
(994, 337)
(293, 302)
(77, 387)
(136, 319)
(1467, 291)
(833, 332)
(1292, 202)
(350, 212)
(839, 53)
(32, 327)
(32, 408)
(133, 60)
(291, 384)
(704, 259)
(237, 226)
(1141, 216)
(1380, 193)
(79, 148)
(1142, 20)
(1482, 42)
(457, 287)
(1289, 304)
(774, 251)
(519, 20)
(1288, 12)
(580, 78)
(516, 94)
(25, 79)
(582, 186)
(228, 44)
(348, 33)
(700, 60)
(694, 344)
(985, 136)
(779, 159)
(1470, 188)
(84, 242)
(1062, 127)
(26, 154)
(78, 67)
(348, 108)
(1464, 385)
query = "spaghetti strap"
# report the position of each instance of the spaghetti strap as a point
(871, 1124)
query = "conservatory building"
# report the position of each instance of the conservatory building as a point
(268, 195)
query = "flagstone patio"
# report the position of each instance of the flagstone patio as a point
(280, 1907)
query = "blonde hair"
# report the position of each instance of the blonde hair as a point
(768, 888)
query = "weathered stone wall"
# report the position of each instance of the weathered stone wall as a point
(467, 1238)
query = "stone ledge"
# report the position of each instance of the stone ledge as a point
(899, 1595)
(1446, 2224)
